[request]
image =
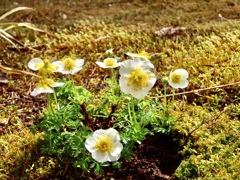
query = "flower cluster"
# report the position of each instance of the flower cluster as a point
(136, 79)
(46, 68)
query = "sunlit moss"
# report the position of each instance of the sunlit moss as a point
(16, 151)
(210, 141)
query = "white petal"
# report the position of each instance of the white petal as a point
(113, 134)
(75, 70)
(90, 144)
(34, 92)
(38, 91)
(113, 158)
(130, 54)
(45, 90)
(100, 157)
(173, 85)
(146, 65)
(127, 66)
(72, 71)
(99, 133)
(60, 66)
(118, 64)
(140, 93)
(79, 62)
(182, 72)
(101, 64)
(152, 80)
(57, 84)
(32, 63)
(123, 81)
(141, 57)
(116, 151)
(65, 72)
(183, 84)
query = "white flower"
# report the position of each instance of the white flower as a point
(69, 65)
(143, 55)
(44, 67)
(45, 86)
(35, 64)
(178, 78)
(104, 145)
(109, 63)
(136, 78)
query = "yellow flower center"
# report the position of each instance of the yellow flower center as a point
(39, 65)
(109, 62)
(69, 64)
(47, 67)
(138, 79)
(145, 54)
(176, 78)
(104, 144)
(45, 83)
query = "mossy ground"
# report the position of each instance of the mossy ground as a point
(207, 125)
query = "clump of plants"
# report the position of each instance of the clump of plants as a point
(96, 130)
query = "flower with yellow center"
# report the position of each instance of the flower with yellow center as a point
(69, 65)
(45, 85)
(143, 55)
(136, 78)
(109, 63)
(178, 78)
(44, 67)
(104, 145)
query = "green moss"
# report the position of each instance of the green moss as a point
(211, 143)
(16, 150)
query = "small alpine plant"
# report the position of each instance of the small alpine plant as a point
(99, 129)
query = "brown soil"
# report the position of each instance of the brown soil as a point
(156, 158)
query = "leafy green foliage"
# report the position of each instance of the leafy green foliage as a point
(78, 112)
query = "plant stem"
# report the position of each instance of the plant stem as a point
(129, 112)
(173, 93)
(165, 99)
(133, 110)
(113, 80)
(112, 75)
(49, 102)
(55, 98)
